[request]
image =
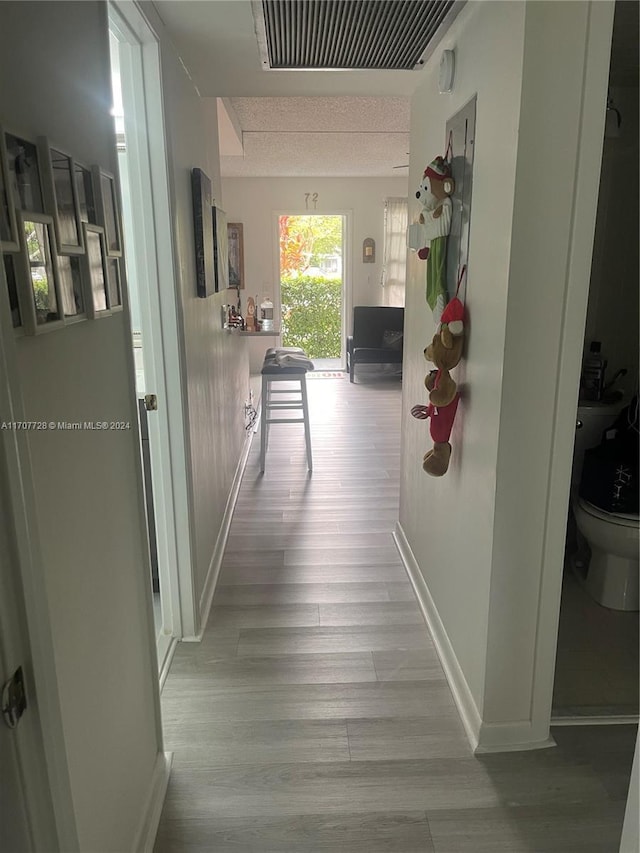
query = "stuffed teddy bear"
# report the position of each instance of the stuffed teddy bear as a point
(445, 351)
(436, 460)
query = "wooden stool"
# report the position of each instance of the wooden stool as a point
(273, 400)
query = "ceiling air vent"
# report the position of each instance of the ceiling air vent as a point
(375, 35)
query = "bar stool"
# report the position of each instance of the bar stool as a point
(283, 399)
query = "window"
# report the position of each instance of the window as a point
(395, 250)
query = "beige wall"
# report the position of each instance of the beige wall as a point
(488, 537)
(448, 522)
(255, 202)
(88, 485)
(215, 362)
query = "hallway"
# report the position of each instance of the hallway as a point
(315, 716)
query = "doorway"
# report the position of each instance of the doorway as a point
(138, 115)
(312, 271)
(597, 663)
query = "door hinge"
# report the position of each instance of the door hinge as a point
(14, 699)
(151, 402)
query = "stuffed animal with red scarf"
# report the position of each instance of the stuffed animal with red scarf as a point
(445, 351)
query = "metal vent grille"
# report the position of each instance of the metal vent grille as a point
(350, 34)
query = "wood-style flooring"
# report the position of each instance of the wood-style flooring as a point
(315, 716)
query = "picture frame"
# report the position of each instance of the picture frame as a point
(235, 239)
(95, 273)
(108, 210)
(61, 197)
(38, 278)
(23, 170)
(72, 290)
(85, 194)
(9, 239)
(114, 284)
(220, 249)
(203, 233)
(11, 277)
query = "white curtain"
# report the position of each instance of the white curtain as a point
(394, 259)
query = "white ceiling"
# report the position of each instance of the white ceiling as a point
(289, 123)
(318, 137)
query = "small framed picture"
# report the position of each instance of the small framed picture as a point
(61, 197)
(236, 254)
(41, 303)
(220, 249)
(24, 173)
(95, 271)
(114, 284)
(203, 233)
(9, 241)
(71, 289)
(85, 194)
(9, 262)
(108, 210)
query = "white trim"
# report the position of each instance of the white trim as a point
(215, 565)
(510, 737)
(166, 663)
(165, 643)
(462, 696)
(588, 163)
(617, 720)
(483, 737)
(163, 332)
(148, 827)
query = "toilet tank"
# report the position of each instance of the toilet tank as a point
(591, 421)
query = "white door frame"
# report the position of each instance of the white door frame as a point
(41, 751)
(160, 323)
(347, 266)
(574, 312)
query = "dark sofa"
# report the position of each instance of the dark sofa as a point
(377, 336)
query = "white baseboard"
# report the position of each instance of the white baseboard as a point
(618, 720)
(462, 696)
(146, 835)
(166, 661)
(483, 737)
(510, 737)
(221, 541)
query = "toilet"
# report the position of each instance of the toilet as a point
(611, 573)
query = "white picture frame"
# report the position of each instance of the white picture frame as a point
(9, 237)
(95, 272)
(37, 274)
(107, 203)
(58, 173)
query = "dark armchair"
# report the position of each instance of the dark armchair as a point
(377, 336)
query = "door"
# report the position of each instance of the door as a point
(35, 805)
(312, 285)
(137, 94)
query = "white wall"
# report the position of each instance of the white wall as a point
(215, 362)
(448, 522)
(256, 201)
(88, 484)
(613, 297)
(481, 535)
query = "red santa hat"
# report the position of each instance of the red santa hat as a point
(438, 169)
(453, 316)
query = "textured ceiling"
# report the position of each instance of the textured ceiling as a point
(320, 137)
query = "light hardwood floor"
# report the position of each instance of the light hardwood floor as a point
(315, 716)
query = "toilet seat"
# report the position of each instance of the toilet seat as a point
(631, 520)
